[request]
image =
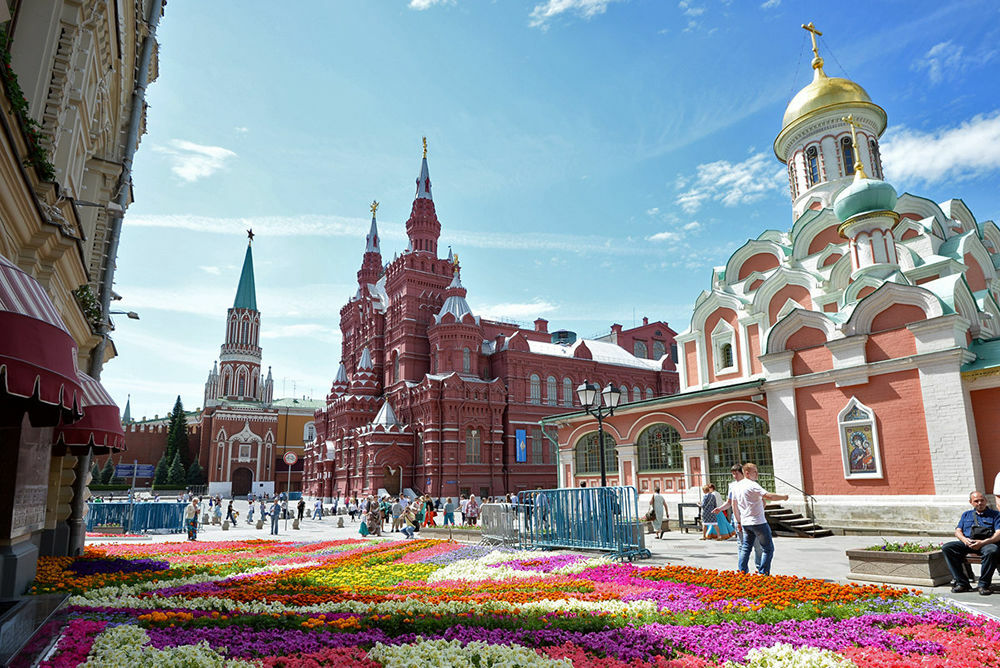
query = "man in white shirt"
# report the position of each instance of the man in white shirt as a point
(461, 506)
(737, 472)
(748, 498)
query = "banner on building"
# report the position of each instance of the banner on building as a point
(521, 438)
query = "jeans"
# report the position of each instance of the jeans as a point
(757, 556)
(449, 518)
(408, 531)
(753, 534)
(274, 524)
(955, 553)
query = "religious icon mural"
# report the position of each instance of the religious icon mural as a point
(859, 439)
(860, 453)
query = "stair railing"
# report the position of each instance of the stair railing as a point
(810, 499)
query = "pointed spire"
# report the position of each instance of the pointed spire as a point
(341, 374)
(246, 292)
(424, 180)
(386, 416)
(127, 415)
(371, 245)
(366, 360)
(269, 374)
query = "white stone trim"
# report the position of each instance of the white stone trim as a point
(786, 455)
(951, 430)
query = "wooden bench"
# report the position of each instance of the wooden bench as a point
(969, 560)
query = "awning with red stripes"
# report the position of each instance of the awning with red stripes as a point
(100, 427)
(38, 371)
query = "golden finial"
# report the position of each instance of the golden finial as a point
(454, 259)
(859, 169)
(374, 207)
(813, 33)
(425, 147)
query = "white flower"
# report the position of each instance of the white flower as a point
(452, 654)
(786, 656)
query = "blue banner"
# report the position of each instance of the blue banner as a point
(520, 439)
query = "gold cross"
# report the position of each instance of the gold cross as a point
(374, 207)
(425, 147)
(813, 33)
(859, 169)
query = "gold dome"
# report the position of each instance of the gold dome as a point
(823, 92)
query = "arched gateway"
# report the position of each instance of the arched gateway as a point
(242, 481)
(737, 439)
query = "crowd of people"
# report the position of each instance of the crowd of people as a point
(407, 516)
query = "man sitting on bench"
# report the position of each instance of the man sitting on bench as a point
(978, 531)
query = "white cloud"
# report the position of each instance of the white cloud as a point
(946, 60)
(665, 236)
(652, 212)
(690, 9)
(215, 271)
(967, 151)
(692, 226)
(241, 129)
(541, 14)
(213, 301)
(514, 311)
(192, 161)
(770, 4)
(421, 5)
(730, 183)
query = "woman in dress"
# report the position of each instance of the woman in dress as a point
(430, 513)
(708, 520)
(726, 530)
(191, 519)
(472, 510)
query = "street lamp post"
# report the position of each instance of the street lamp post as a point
(591, 397)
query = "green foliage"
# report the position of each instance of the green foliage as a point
(911, 548)
(107, 473)
(195, 474)
(37, 155)
(177, 436)
(89, 305)
(95, 474)
(161, 473)
(175, 476)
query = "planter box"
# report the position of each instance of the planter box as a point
(927, 569)
(108, 528)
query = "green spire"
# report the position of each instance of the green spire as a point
(246, 293)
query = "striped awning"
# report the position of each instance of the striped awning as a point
(100, 428)
(38, 373)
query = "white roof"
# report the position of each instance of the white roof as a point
(386, 417)
(609, 353)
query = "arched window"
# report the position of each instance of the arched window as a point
(659, 349)
(567, 399)
(466, 361)
(847, 150)
(551, 390)
(473, 443)
(636, 393)
(246, 332)
(876, 158)
(242, 386)
(649, 393)
(639, 349)
(419, 438)
(535, 389)
(738, 439)
(726, 353)
(812, 165)
(309, 431)
(588, 460)
(395, 366)
(660, 449)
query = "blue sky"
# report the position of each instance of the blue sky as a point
(592, 160)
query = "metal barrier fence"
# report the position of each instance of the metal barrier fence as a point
(137, 517)
(588, 518)
(499, 523)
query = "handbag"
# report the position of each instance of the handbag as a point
(980, 531)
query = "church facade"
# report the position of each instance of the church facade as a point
(855, 357)
(431, 397)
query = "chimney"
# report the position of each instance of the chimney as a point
(645, 320)
(541, 325)
(616, 331)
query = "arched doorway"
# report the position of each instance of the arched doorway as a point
(737, 439)
(242, 481)
(390, 480)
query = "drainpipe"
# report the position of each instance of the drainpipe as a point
(77, 526)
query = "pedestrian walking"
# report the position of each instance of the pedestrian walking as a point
(661, 514)
(230, 517)
(472, 510)
(302, 508)
(749, 497)
(449, 512)
(462, 505)
(275, 515)
(708, 514)
(191, 519)
(397, 515)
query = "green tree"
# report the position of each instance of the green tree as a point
(108, 472)
(177, 433)
(95, 474)
(176, 478)
(195, 475)
(161, 473)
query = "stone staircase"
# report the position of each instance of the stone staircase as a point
(785, 522)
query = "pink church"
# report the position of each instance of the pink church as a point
(855, 357)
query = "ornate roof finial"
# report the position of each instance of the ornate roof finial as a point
(817, 62)
(250, 236)
(374, 207)
(454, 260)
(425, 147)
(859, 168)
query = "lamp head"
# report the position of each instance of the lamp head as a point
(587, 393)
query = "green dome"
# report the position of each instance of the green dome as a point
(864, 196)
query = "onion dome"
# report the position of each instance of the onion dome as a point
(823, 93)
(864, 196)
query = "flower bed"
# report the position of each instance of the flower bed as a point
(432, 603)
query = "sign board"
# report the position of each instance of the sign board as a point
(428, 482)
(290, 458)
(521, 443)
(140, 470)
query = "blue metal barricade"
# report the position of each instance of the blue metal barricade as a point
(588, 518)
(137, 517)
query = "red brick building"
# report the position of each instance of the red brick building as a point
(432, 397)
